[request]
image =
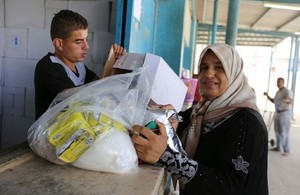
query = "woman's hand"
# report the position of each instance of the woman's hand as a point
(148, 145)
(173, 120)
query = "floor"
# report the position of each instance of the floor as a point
(284, 171)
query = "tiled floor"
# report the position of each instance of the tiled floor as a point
(284, 171)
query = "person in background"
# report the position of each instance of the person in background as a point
(282, 119)
(224, 135)
(64, 68)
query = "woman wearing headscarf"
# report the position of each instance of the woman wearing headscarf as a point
(224, 135)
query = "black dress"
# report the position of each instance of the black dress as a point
(231, 157)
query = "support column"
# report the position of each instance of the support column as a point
(232, 22)
(215, 22)
(119, 23)
(295, 69)
(293, 40)
(269, 76)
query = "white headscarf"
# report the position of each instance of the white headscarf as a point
(238, 94)
(238, 90)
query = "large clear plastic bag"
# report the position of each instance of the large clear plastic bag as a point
(87, 127)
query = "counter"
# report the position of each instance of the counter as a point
(26, 173)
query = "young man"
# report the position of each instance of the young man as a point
(64, 68)
(282, 119)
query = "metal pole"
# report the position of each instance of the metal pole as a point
(215, 22)
(232, 22)
(270, 70)
(295, 70)
(293, 39)
(119, 22)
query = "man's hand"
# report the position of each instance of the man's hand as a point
(269, 98)
(115, 52)
(287, 100)
(118, 50)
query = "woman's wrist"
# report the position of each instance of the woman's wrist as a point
(179, 165)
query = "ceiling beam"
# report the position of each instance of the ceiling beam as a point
(244, 38)
(241, 34)
(279, 1)
(260, 17)
(223, 28)
(242, 43)
(288, 22)
(247, 37)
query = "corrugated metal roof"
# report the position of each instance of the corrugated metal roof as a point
(258, 25)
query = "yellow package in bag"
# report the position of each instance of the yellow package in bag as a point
(101, 123)
(71, 137)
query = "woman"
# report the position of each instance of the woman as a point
(224, 135)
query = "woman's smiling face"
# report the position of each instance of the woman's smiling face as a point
(212, 77)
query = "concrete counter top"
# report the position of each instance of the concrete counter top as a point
(30, 174)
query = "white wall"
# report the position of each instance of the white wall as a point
(25, 38)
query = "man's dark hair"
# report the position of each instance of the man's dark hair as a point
(66, 21)
(280, 78)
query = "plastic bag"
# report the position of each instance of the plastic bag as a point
(110, 153)
(163, 116)
(81, 118)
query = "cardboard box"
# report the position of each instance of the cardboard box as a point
(167, 87)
